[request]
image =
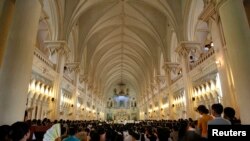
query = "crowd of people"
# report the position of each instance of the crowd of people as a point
(146, 130)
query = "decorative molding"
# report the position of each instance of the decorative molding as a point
(43, 66)
(172, 67)
(83, 78)
(207, 67)
(203, 58)
(185, 47)
(161, 79)
(177, 84)
(40, 57)
(75, 66)
(57, 46)
(67, 84)
(190, 44)
(207, 12)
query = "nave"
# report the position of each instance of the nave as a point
(122, 60)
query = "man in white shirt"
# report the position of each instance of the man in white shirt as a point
(217, 110)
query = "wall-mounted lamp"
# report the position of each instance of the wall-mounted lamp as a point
(218, 63)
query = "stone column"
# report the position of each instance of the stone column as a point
(38, 109)
(74, 67)
(17, 61)
(183, 50)
(33, 116)
(158, 98)
(92, 99)
(29, 108)
(210, 16)
(6, 13)
(62, 50)
(170, 67)
(86, 99)
(42, 110)
(237, 37)
(45, 109)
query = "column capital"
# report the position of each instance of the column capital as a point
(185, 47)
(57, 46)
(171, 66)
(74, 66)
(160, 79)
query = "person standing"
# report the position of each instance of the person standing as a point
(217, 110)
(203, 120)
(229, 114)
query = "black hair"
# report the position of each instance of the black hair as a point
(4, 132)
(94, 136)
(18, 130)
(229, 112)
(134, 134)
(202, 109)
(163, 133)
(218, 108)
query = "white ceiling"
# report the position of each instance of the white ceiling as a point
(120, 40)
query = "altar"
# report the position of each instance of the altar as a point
(121, 115)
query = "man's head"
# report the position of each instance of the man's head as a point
(20, 130)
(217, 109)
(202, 109)
(229, 112)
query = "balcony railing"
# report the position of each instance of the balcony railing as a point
(43, 58)
(203, 58)
(71, 81)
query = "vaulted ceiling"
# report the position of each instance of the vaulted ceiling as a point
(120, 40)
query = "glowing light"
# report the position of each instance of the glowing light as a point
(156, 108)
(218, 63)
(165, 106)
(218, 84)
(33, 86)
(78, 105)
(37, 89)
(46, 91)
(42, 89)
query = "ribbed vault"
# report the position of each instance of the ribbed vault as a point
(120, 40)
